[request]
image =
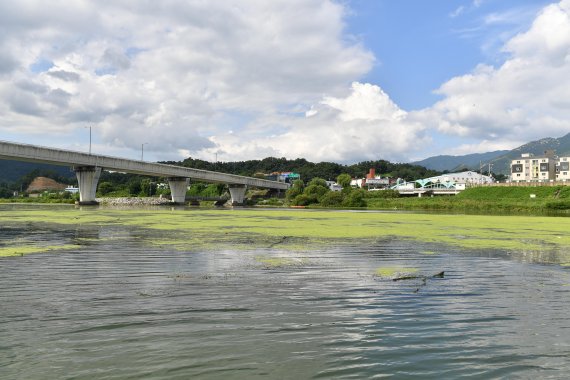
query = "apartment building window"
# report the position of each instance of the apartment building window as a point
(564, 173)
(518, 175)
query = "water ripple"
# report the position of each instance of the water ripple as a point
(113, 310)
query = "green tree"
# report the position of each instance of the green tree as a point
(105, 188)
(134, 186)
(344, 180)
(5, 192)
(295, 190)
(318, 182)
(316, 191)
(148, 187)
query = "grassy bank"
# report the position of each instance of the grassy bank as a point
(492, 199)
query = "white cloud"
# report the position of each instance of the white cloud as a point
(525, 98)
(246, 79)
(458, 11)
(170, 72)
(363, 125)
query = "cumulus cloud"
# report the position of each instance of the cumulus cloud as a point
(523, 99)
(246, 79)
(172, 72)
(363, 125)
(67, 76)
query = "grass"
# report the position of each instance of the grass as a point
(494, 199)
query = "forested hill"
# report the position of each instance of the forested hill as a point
(15, 172)
(309, 170)
(12, 171)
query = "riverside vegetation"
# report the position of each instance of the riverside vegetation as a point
(487, 199)
(316, 194)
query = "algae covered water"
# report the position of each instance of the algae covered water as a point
(178, 294)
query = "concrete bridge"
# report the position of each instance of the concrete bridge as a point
(88, 169)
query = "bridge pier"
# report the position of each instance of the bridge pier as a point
(87, 177)
(178, 187)
(237, 192)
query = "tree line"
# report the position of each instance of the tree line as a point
(120, 184)
(309, 170)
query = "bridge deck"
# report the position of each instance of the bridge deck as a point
(34, 153)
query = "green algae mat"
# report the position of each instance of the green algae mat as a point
(299, 229)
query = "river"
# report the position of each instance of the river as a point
(116, 307)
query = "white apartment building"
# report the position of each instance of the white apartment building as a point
(530, 168)
(563, 169)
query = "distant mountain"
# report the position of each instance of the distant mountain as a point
(11, 171)
(560, 145)
(457, 163)
(500, 160)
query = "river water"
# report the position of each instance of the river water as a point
(119, 309)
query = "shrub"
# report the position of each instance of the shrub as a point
(271, 202)
(316, 191)
(105, 188)
(318, 182)
(388, 193)
(295, 190)
(332, 199)
(558, 205)
(355, 199)
(304, 200)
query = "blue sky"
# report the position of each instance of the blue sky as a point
(327, 80)
(421, 44)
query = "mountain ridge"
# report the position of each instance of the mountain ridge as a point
(500, 160)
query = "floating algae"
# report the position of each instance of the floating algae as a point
(279, 262)
(394, 272)
(27, 249)
(294, 230)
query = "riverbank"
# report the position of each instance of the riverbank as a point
(133, 201)
(493, 199)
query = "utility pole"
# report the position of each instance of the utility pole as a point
(89, 139)
(142, 150)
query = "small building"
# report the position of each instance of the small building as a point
(333, 186)
(372, 181)
(287, 177)
(357, 182)
(466, 177)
